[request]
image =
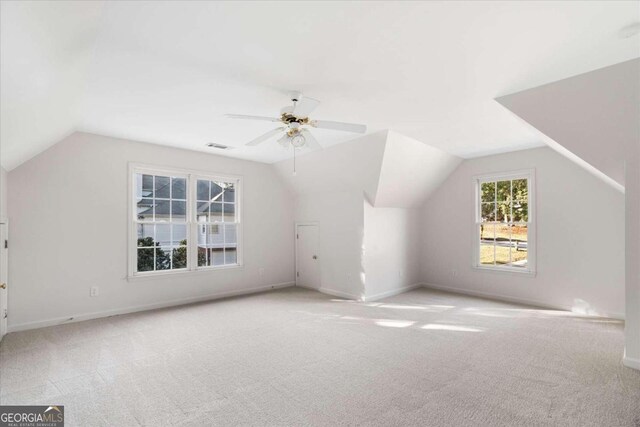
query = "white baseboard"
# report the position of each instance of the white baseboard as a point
(631, 362)
(517, 300)
(332, 292)
(375, 297)
(107, 313)
(393, 292)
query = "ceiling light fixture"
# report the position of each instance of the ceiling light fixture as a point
(298, 141)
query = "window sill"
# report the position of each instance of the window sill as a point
(506, 270)
(181, 273)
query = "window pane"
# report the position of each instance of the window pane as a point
(203, 210)
(163, 234)
(215, 236)
(179, 236)
(180, 257)
(488, 192)
(488, 212)
(503, 254)
(520, 190)
(229, 212)
(178, 188)
(519, 238)
(163, 258)
(146, 186)
(203, 260)
(503, 191)
(178, 211)
(162, 187)
(146, 235)
(215, 244)
(230, 235)
(503, 233)
(520, 211)
(145, 210)
(163, 208)
(216, 212)
(503, 212)
(230, 256)
(230, 193)
(145, 259)
(217, 256)
(216, 192)
(203, 190)
(203, 252)
(503, 244)
(487, 238)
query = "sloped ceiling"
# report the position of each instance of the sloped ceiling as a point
(410, 172)
(166, 72)
(392, 170)
(354, 166)
(45, 51)
(593, 118)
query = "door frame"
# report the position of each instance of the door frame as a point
(4, 221)
(295, 238)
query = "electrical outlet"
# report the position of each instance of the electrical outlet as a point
(261, 271)
(400, 273)
(454, 273)
(94, 291)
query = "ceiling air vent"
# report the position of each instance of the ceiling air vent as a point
(218, 146)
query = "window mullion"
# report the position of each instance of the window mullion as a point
(192, 207)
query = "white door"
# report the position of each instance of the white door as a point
(307, 258)
(3, 279)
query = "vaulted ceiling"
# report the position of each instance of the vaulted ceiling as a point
(166, 72)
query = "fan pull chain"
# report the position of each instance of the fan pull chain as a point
(294, 161)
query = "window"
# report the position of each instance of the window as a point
(183, 221)
(217, 225)
(504, 227)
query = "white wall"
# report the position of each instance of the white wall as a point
(391, 250)
(340, 218)
(68, 210)
(338, 187)
(580, 236)
(3, 192)
(330, 186)
(632, 251)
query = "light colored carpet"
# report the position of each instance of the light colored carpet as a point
(297, 357)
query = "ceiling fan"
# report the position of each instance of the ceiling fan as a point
(295, 119)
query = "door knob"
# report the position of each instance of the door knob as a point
(315, 257)
(3, 286)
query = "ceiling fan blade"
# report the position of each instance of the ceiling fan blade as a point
(284, 141)
(245, 117)
(263, 138)
(310, 140)
(348, 127)
(305, 106)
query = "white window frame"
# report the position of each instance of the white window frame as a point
(192, 177)
(478, 180)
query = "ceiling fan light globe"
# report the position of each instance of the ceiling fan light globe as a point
(298, 141)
